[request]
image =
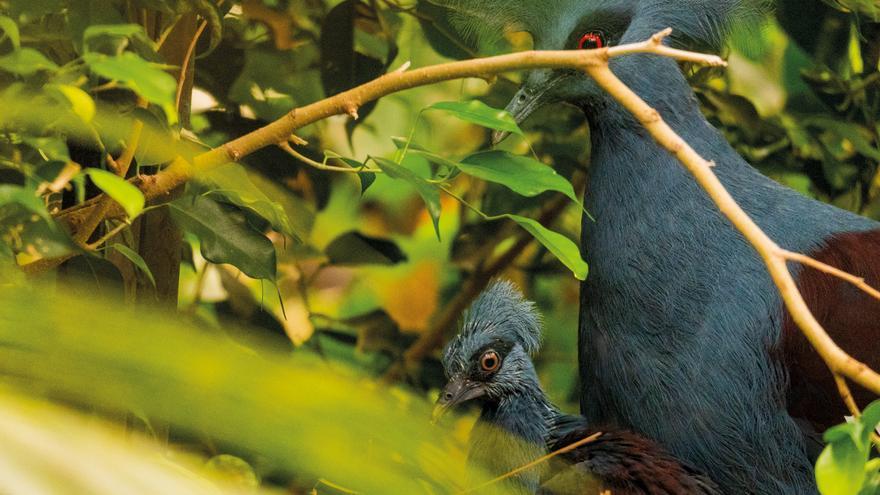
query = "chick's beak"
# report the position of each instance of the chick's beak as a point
(458, 391)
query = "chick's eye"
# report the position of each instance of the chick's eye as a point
(591, 40)
(490, 361)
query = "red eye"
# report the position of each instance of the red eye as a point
(591, 40)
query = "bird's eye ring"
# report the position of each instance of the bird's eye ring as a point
(592, 40)
(490, 361)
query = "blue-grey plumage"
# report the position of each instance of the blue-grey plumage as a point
(683, 336)
(489, 362)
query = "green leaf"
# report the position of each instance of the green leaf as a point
(366, 178)
(123, 192)
(234, 183)
(840, 469)
(354, 248)
(855, 134)
(562, 247)
(429, 193)
(520, 174)
(27, 199)
(477, 112)
(146, 79)
(415, 149)
(112, 30)
(26, 62)
(81, 103)
(10, 30)
(135, 259)
(864, 425)
(201, 382)
(226, 236)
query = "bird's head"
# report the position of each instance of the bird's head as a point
(582, 24)
(490, 357)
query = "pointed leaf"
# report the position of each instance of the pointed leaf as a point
(226, 236)
(562, 247)
(429, 193)
(144, 78)
(477, 112)
(521, 174)
(26, 62)
(355, 248)
(81, 103)
(123, 192)
(135, 259)
(10, 30)
(234, 183)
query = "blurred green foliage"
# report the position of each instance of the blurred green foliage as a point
(335, 275)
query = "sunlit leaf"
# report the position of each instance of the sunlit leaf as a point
(115, 359)
(146, 79)
(477, 112)
(123, 192)
(52, 449)
(82, 104)
(113, 30)
(840, 469)
(10, 30)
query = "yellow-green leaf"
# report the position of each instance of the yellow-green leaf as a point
(83, 105)
(10, 30)
(123, 192)
(477, 112)
(26, 62)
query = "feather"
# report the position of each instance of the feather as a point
(502, 308)
(698, 24)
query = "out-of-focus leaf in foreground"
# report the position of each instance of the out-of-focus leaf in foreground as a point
(50, 449)
(304, 415)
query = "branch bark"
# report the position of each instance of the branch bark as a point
(347, 103)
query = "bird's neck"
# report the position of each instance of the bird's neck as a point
(628, 167)
(512, 433)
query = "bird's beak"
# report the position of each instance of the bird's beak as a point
(534, 94)
(458, 391)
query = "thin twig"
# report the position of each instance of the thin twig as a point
(109, 235)
(846, 395)
(322, 166)
(830, 270)
(181, 79)
(563, 450)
